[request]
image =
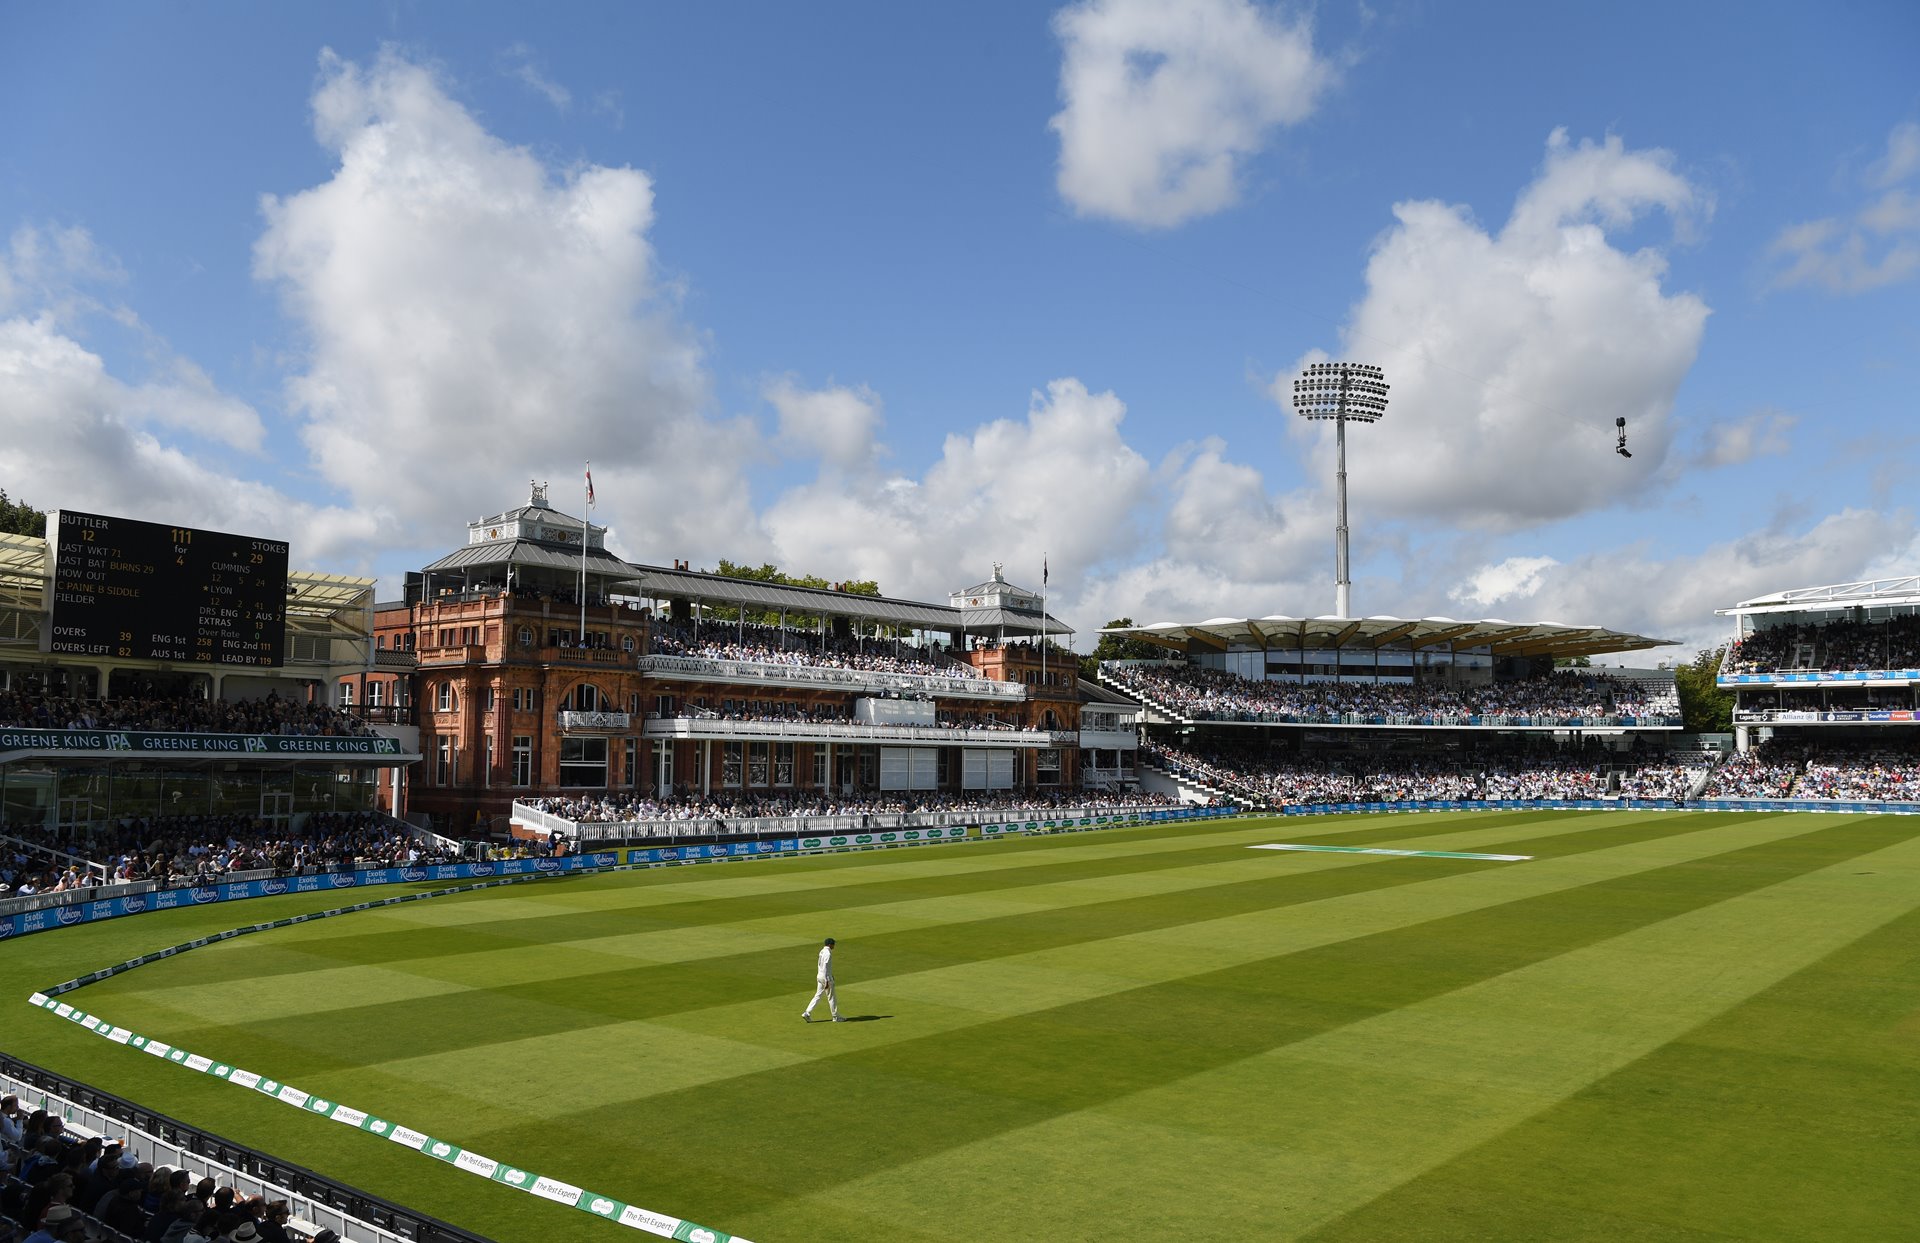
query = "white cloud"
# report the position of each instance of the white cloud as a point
(464, 305)
(520, 64)
(1162, 103)
(1062, 481)
(1879, 245)
(1902, 159)
(1734, 441)
(1514, 578)
(77, 438)
(836, 425)
(1511, 354)
(1646, 589)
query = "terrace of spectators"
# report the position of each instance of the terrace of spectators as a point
(1251, 772)
(173, 851)
(1568, 698)
(1839, 645)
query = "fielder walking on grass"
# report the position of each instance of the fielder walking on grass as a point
(824, 978)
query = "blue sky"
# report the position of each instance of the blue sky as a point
(896, 291)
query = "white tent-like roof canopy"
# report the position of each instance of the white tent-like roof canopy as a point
(1504, 638)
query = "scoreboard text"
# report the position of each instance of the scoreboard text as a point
(141, 591)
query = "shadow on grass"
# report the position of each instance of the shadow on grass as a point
(865, 1018)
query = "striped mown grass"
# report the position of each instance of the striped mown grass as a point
(1662, 1026)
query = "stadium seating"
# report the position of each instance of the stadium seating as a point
(1570, 697)
(773, 645)
(1831, 646)
(617, 809)
(269, 714)
(198, 849)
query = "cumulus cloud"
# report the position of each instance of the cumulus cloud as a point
(1514, 578)
(836, 425)
(463, 304)
(1512, 353)
(1163, 103)
(1061, 481)
(1876, 246)
(1643, 588)
(78, 437)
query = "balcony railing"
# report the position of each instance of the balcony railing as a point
(850, 731)
(769, 673)
(595, 720)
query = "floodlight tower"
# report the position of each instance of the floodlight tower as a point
(1341, 391)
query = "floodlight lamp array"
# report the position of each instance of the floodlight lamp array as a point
(1353, 391)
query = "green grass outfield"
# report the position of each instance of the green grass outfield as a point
(1665, 1026)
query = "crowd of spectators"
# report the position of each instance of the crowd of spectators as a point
(187, 850)
(1842, 645)
(771, 645)
(724, 806)
(1764, 772)
(779, 713)
(64, 1187)
(1475, 773)
(1567, 696)
(269, 714)
(1889, 776)
(1781, 770)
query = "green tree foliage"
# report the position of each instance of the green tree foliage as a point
(770, 573)
(1572, 662)
(1120, 647)
(1704, 707)
(20, 518)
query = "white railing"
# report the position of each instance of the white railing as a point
(595, 720)
(770, 673)
(846, 731)
(310, 1215)
(716, 825)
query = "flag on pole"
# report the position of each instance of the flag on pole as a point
(1043, 569)
(589, 484)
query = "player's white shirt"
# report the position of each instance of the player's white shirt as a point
(825, 974)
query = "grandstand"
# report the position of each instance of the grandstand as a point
(94, 742)
(1308, 711)
(547, 672)
(1826, 684)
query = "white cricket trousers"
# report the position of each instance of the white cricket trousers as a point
(825, 990)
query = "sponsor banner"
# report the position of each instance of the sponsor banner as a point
(228, 891)
(474, 1163)
(700, 1234)
(553, 1189)
(652, 1223)
(601, 1206)
(107, 741)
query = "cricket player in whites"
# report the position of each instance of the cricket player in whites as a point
(824, 977)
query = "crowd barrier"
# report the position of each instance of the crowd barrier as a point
(588, 832)
(92, 911)
(1618, 804)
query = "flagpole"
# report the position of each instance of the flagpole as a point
(586, 530)
(1043, 619)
